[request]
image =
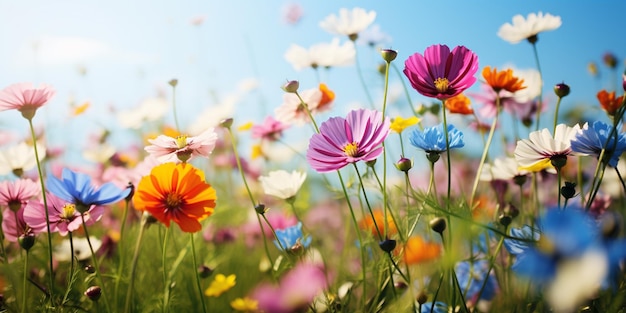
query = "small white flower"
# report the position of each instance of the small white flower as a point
(502, 169)
(149, 110)
(282, 184)
(20, 157)
(533, 83)
(62, 253)
(321, 55)
(526, 28)
(536, 152)
(348, 23)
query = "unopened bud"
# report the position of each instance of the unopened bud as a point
(388, 55)
(438, 224)
(173, 82)
(204, 271)
(132, 191)
(569, 190)
(291, 86)
(227, 122)
(93, 293)
(561, 90)
(26, 241)
(387, 245)
(260, 208)
(404, 164)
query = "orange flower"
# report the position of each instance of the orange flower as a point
(367, 223)
(502, 80)
(609, 103)
(459, 104)
(327, 98)
(176, 192)
(417, 251)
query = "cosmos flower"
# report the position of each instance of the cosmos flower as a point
(417, 250)
(183, 148)
(76, 188)
(271, 129)
(291, 238)
(502, 80)
(176, 192)
(399, 124)
(441, 73)
(62, 251)
(349, 22)
(591, 141)
(25, 98)
(326, 102)
(220, 284)
(505, 168)
(14, 226)
(358, 137)
(459, 104)
(63, 215)
(609, 102)
(293, 112)
(321, 55)
(149, 110)
(541, 150)
(370, 224)
(15, 194)
(528, 28)
(432, 139)
(508, 102)
(20, 158)
(292, 13)
(282, 184)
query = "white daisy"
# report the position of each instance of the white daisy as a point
(541, 149)
(348, 23)
(528, 28)
(505, 168)
(282, 184)
(321, 55)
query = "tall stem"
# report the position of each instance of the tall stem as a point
(133, 266)
(540, 104)
(166, 292)
(195, 269)
(485, 151)
(24, 285)
(363, 84)
(94, 259)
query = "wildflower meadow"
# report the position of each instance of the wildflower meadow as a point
(455, 185)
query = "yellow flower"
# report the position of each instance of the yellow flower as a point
(399, 124)
(257, 151)
(245, 126)
(78, 110)
(244, 305)
(220, 285)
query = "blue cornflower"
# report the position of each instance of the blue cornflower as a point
(77, 188)
(527, 233)
(471, 278)
(291, 238)
(433, 139)
(440, 307)
(592, 139)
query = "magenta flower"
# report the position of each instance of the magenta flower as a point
(62, 214)
(271, 129)
(295, 292)
(341, 141)
(183, 148)
(25, 98)
(441, 73)
(14, 226)
(15, 194)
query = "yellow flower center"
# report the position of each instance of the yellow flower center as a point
(181, 141)
(174, 201)
(69, 209)
(351, 149)
(442, 84)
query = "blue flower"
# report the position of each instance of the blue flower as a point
(592, 139)
(291, 238)
(527, 233)
(77, 188)
(471, 277)
(440, 307)
(433, 139)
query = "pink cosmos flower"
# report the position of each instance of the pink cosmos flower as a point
(183, 148)
(441, 73)
(14, 226)
(62, 214)
(342, 141)
(509, 103)
(15, 194)
(292, 111)
(271, 129)
(25, 98)
(295, 291)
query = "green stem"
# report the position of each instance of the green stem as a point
(120, 266)
(556, 114)
(45, 204)
(166, 292)
(367, 202)
(174, 108)
(540, 104)
(406, 90)
(483, 158)
(24, 292)
(195, 266)
(96, 265)
(133, 266)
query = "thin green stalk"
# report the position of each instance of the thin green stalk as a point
(308, 111)
(24, 285)
(539, 109)
(120, 266)
(45, 204)
(384, 189)
(483, 158)
(195, 266)
(406, 90)
(280, 245)
(621, 180)
(96, 265)
(133, 267)
(173, 83)
(166, 292)
(492, 263)
(367, 202)
(556, 114)
(558, 187)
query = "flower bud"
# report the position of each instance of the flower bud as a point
(371, 163)
(561, 90)
(404, 164)
(505, 220)
(432, 156)
(90, 269)
(388, 55)
(520, 179)
(26, 241)
(260, 208)
(132, 191)
(291, 86)
(173, 82)
(569, 190)
(610, 60)
(422, 297)
(387, 245)
(227, 122)
(624, 81)
(438, 224)
(511, 210)
(93, 293)
(400, 285)
(204, 271)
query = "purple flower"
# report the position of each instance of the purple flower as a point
(340, 141)
(441, 73)
(63, 215)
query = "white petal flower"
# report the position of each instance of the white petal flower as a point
(282, 184)
(348, 22)
(373, 36)
(533, 83)
(99, 153)
(321, 55)
(149, 110)
(62, 253)
(292, 112)
(525, 28)
(20, 157)
(536, 152)
(502, 169)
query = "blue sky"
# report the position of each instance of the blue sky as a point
(129, 50)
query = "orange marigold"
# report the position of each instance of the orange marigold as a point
(176, 192)
(502, 80)
(459, 104)
(609, 102)
(367, 223)
(417, 250)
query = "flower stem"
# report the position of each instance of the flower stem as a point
(120, 266)
(24, 292)
(174, 108)
(556, 114)
(485, 151)
(133, 266)
(94, 259)
(195, 266)
(45, 204)
(166, 292)
(540, 104)
(363, 84)
(406, 90)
